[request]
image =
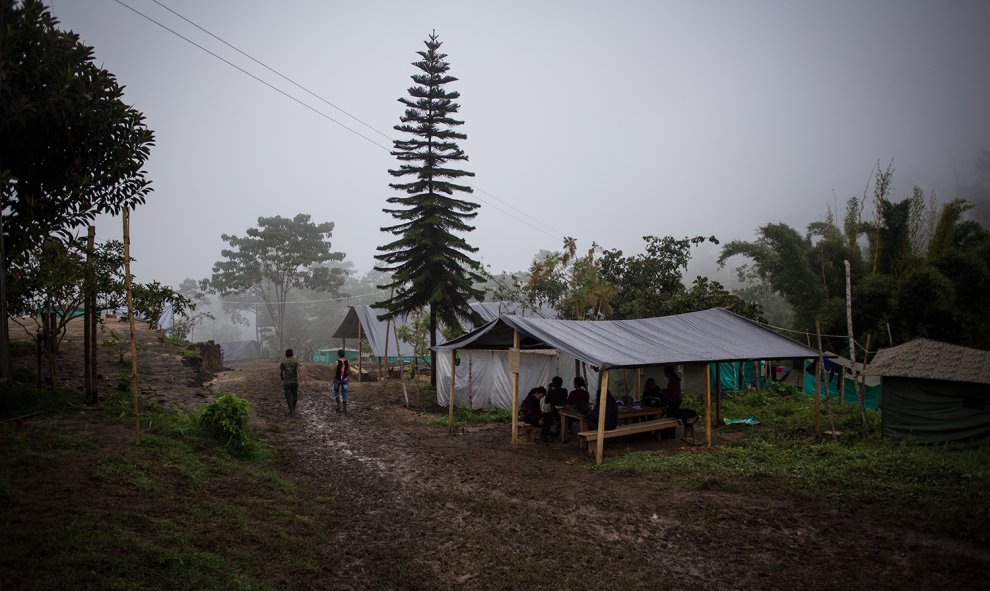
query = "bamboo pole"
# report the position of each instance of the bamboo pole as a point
(600, 444)
(515, 390)
(450, 403)
(130, 315)
(708, 405)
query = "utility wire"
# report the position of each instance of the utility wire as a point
(539, 225)
(340, 299)
(272, 70)
(245, 72)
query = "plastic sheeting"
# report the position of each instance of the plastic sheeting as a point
(374, 330)
(483, 381)
(697, 337)
(935, 411)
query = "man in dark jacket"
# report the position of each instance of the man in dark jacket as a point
(533, 415)
(611, 413)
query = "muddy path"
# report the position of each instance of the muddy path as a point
(421, 509)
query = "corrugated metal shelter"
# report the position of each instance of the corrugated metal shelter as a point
(934, 392)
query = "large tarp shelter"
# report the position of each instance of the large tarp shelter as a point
(704, 337)
(934, 392)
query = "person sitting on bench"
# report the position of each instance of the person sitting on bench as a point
(533, 415)
(672, 397)
(652, 394)
(611, 413)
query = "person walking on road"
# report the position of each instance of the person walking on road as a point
(340, 376)
(291, 377)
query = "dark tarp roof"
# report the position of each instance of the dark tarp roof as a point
(491, 310)
(374, 330)
(697, 337)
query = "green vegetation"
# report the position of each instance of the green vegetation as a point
(226, 418)
(180, 511)
(466, 416)
(937, 488)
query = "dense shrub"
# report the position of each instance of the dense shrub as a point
(226, 418)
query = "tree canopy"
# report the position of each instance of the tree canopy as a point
(71, 148)
(278, 256)
(919, 269)
(429, 262)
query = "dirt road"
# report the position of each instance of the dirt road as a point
(425, 510)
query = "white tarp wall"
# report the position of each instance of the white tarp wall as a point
(483, 380)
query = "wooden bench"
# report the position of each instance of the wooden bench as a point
(529, 432)
(656, 425)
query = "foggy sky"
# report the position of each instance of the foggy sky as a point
(602, 121)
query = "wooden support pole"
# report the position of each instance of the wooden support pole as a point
(718, 391)
(89, 377)
(849, 329)
(818, 392)
(600, 444)
(360, 369)
(708, 405)
(130, 315)
(450, 403)
(514, 368)
(639, 385)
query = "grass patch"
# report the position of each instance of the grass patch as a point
(939, 488)
(466, 416)
(88, 509)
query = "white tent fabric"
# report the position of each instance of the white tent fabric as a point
(482, 379)
(696, 337)
(374, 330)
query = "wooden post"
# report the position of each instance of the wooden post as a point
(130, 315)
(708, 405)
(818, 392)
(360, 372)
(450, 403)
(402, 366)
(842, 387)
(718, 391)
(600, 444)
(849, 329)
(514, 368)
(639, 386)
(388, 327)
(89, 378)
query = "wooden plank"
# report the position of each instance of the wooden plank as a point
(631, 429)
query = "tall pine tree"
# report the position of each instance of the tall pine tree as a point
(429, 264)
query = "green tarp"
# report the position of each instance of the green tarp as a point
(935, 411)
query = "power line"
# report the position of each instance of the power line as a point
(340, 299)
(272, 70)
(245, 72)
(538, 225)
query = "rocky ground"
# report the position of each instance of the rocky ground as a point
(422, 509)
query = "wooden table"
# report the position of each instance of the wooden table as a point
(629, 415)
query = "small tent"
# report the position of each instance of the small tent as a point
(934, 392)
(234, 351)
(361, 322)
